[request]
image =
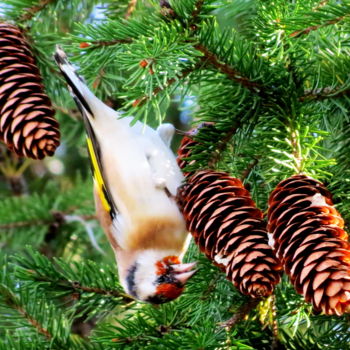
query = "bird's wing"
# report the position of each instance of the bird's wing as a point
(82, 95)
(101, 185)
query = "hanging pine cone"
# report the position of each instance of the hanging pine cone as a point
(311, 243)
(27, 125)
(229, 229)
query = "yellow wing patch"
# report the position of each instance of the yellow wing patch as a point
(100, 185)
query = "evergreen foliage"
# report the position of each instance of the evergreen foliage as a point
(272, 76)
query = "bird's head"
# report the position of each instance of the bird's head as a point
(157, 280)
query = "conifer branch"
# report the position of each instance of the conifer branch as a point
(321, 4)
(32, 11)
(38, 222)
(140, 101)
(245, 174)
(80, 288)
(34, 322)
(222, 145)
(114, 293)
(196, 11)
(99, 43)
(12, 301)
(213, 59)
(307, 30)
(242, 312)
(226, 69)
(73, 113)
(323, 94)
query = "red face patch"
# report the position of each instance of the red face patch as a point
(169, 290)
(162, 265)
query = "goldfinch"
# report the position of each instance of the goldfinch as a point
(135, 183)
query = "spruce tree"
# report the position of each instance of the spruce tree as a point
(272, 77)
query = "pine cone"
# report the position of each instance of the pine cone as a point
(229, 229)
(27, 125)
(311, 243)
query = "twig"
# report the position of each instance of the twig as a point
(307, 30)
(131, 8)
(321, 4)
(34, 322)
(32, 11)
(111, 42)
(197, 9)
(249, 168)
(210, 57)
(225, 68)
(114, 293)
(276, 344)
(243, 311)
(211, 286)
(140, 101)
(221, 146)
(73, 113)
(12, 301)
(323, 94)
(195, 14)
(28, 223)
(18, 185)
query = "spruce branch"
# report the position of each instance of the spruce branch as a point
(245, 174)
(75, 286)
(87, 289)
(309, 29)
(196, 11)
(324, 94)
(72, 112)
(182, 75)
(32, 11)
(226, 69)
(242, 312)
(213, 160)
(33, 322)
(212, 58)
(321, 4)
(87, 278)
(296, 150)
(100, 43)
(13, 302)
(39, 222)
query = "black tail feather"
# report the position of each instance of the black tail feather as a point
(66, 69)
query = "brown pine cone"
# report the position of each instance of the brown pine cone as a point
(27, 125)
(311, 243)
(229, 229)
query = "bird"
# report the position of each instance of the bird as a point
(136, 179)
